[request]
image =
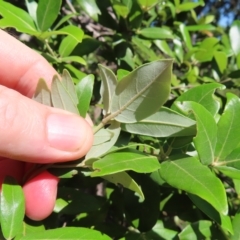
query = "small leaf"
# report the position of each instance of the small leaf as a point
(98, 150)
(234, 35)
(61, 97)
(191, 176)
(121, 161)
(67, 45)
(108, 86)
(67, 233)
(32, 9)
(221, 60)
(47, 12)
(164, 123)
(16, 18)
(142, 92)
(206, 138)
(12, 208)
(156, 33)
(42, 93)
(228, 171)
(76, 59)
(186, 36)
(120, 9)
(228, 136)
(91, 8)
(187, 6)
(125, 180)
(164, 47)
(203, 95)
(84, 90)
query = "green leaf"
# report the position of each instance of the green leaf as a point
(223, 220)
(146, 4)
(12, 208)
(84, 90)
(47, 12)
(102, 136)
(221, 60)
(125, 180)
(42, 93)
(32, 9)
(203, 95)
(234, 35)
(186, 36)
(206, 138)
(187, 6)
(61, 97)
(120, 9)
(70, 30)
(190, 175)
(201, 27)
(155, 33)
(229, 171)
(197, 230)
(16, 18)
(228, 135)
(64, 19)
(164, 123)
(67, 233)
(236, 229)
(142, 92)
(100, 149)
(76, 59)
(67, 45)
(125, 160)
(108, 86)
(164, 47)
(91, 8)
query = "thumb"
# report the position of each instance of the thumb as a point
(33, 132)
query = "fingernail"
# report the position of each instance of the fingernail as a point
(65, 131)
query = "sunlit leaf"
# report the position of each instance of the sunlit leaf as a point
(61, 97)
(47, 12)
(228, 133)
(156, 33)
(191, 176)
(67, 45)
(221, 60)
(164, 123)
(186, 6)
(229, 171)
(67, 233)
(234, 35)
(76, 59)
(108, 86)
(90, 7)
(42, 93)
(17, 18)
(84, 90)
(206, 138)
(100, 149)
(32, 9)
(125, 160)
(142, 92)
(186, 36)
(236, 229)
(125, 180)
(12, 208)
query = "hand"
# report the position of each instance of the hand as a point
(32, 132)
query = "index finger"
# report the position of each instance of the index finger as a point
(20, 66)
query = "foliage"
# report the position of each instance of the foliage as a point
(165, 158)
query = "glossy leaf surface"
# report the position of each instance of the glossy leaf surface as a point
(142, 92)
(191, 176)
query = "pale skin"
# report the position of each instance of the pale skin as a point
(32, 132)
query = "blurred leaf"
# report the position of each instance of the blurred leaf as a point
(76, 59)
(121, 9)
(206, 138)
(236, 223)
(197, 230)
(122, 161)
(146, 4)
(84, 90)
(135, 15)
(164, 123)
(61, 97)
(67, 45)
(17, 18)
(186, 36)
(221, 60)
(229, 171)
(223, 220)
(70, 30)
(178, 49)
(228, 134)
(234, 35)
(90, 7)
(155, 33)
(47, 12)
(190, 175)
(142, 92)
(204, 95)
(201, 27)
(186, 6)
(63, 20)
(108, 86)
(125, 180)
(67, 233)
(98, 150)
(32, 9)
(42, 93)
(121, 73)
(164, 47)
(12, 208)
